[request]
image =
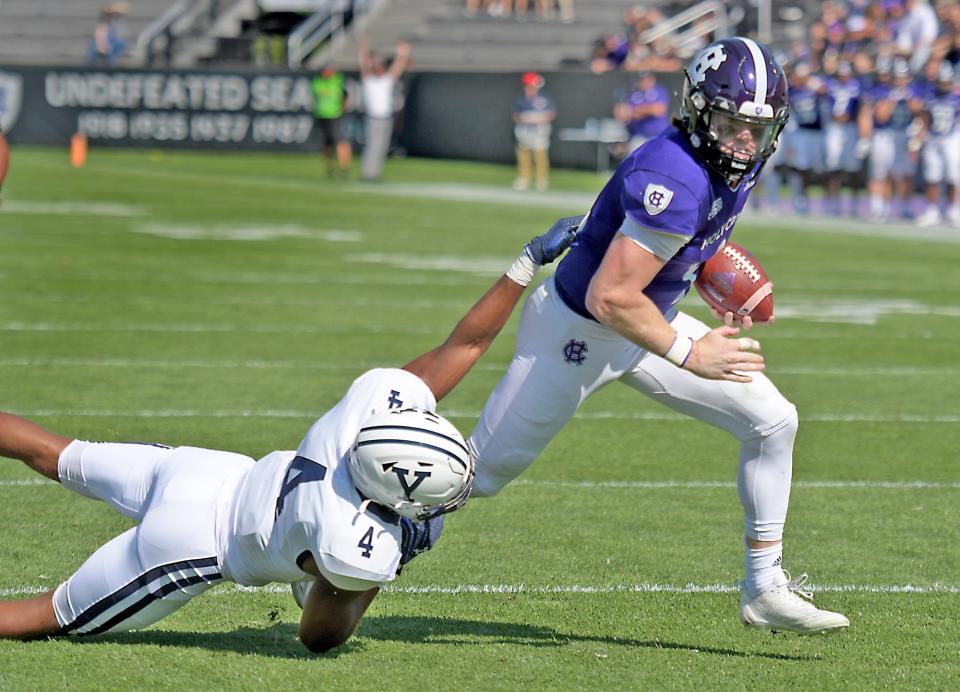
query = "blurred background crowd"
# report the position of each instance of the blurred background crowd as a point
(874, 83)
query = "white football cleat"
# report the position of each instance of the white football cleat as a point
(782, 607)
(931, 217)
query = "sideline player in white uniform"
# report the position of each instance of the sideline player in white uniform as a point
(361, 496)
(610, 313)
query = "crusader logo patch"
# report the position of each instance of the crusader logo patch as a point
(575, 352)
(656, 198)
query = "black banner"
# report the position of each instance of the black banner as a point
(446, 115)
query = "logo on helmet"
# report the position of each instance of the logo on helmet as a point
(710, 58)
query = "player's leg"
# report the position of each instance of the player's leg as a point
(172, 556)
(122, 474)
(561, 358)
(541, 157)
(933, 174)
(36, 447)
(765, 424)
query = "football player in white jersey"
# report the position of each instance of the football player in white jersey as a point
(338, 518)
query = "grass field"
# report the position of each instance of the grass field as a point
(228, 300)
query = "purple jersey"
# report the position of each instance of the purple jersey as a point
(662, 186)
(807, 107)
(844, 99)
(648, 125)
(901, 96)
(944, 110)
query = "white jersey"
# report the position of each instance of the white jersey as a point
(290, 503)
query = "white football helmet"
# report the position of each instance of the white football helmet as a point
(414, 462)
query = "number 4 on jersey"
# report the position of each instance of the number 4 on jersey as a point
(366, 543)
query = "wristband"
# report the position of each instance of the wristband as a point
(680, 350)
(523, 270)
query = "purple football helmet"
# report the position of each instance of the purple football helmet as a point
(734, 106)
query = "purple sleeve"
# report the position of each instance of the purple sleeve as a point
(660, 203)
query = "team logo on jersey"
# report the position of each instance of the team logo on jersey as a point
(709, 59)
(575, 352)
(715, 209)
(394, 400)
(11, 90)
(656, 198)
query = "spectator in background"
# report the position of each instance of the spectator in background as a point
(533, 115)
(609, 53)
(917, 33)
(378, 84)
(108, 44)
(329, 100)
(644, 111)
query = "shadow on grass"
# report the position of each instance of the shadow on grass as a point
(434, 630)
(280, 639)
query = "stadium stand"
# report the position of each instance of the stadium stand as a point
(57, 32)
(445, 40)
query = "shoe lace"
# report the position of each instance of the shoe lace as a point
(795, 585)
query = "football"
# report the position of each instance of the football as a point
(733, 280)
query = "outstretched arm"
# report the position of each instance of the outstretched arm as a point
(443, 367)
(38, 448)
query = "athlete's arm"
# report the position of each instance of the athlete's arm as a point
(443, 367)
(330, 615)
(38, 448)
(615, 298)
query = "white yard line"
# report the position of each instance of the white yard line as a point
(276, 364)
(664, 485)
(45, 208)
(496, 589)
(918, 418)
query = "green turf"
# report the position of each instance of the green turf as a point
(112, 329)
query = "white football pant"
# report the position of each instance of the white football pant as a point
(545, 385)
(172, 555)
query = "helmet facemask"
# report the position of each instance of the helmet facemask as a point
(733, 128)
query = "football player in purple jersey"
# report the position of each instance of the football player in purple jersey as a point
(842, 159)
(941, 143)
(645, 111)
(888, 115)
(611, 313)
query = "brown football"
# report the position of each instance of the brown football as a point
(733, 280)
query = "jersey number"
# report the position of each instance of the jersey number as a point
(366, 543)
(301, 470)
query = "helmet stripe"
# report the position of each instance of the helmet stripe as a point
(414, 443)
(759, 70)
(416, 429)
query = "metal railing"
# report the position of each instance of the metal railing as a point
(325, 25)
(160, 36)
(718, 25)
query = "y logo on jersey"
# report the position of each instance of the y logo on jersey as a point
(394, 400)
(574, 352)
(420, 476)
(656, 198)
(709, 59)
